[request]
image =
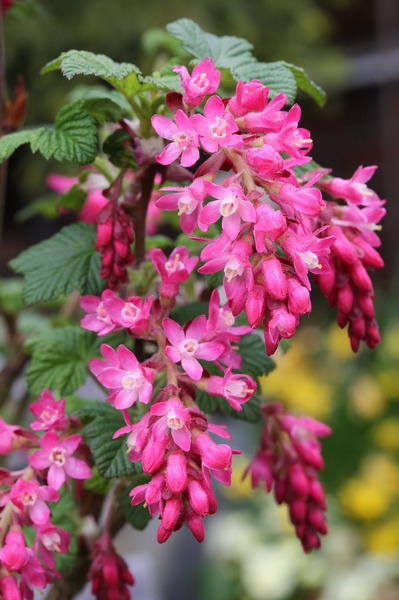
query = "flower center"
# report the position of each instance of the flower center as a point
(101, 313)
(132, 381)
(188, 347)
(227, 317)
(218, 128)
(229, 205)
(182, 140)
(201, 82)
(29, 498)
(186, 204)
(173, 421)
(130, 311)
(49, 415)
(175, 265)
(233, 268)
(310, 259)
(57, 456)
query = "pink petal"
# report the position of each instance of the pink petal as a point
(77, 468)
(111, 378)
(39, 460)
(197, 328)
(189, 156)
(49, 440)
(125, 398)
(127, 359)
(172, 353)
(182, 438)
(192, 368)
(209, 350)
(71, 443)
(164, 126)
(173, 331)
(231, 225)
(56, 476)
(39, 512)
(169, 154)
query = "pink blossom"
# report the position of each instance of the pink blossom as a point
(173, 270)
(50, 412)
(132, 313)
(231, 204)
(56, 456)
(29, 495)
(269, 119)
(236, 388)
(354, 189)
(251, 96)
(184, 138)
(270, 225)
(185, 346)
(291, 139)
(174, 419)
(51, 540)
(267, 163)
(187, 200)
(216, 127)
(98, 318)
(204, 80)
(307, 252)
(122, 373)
(9, 437)
(109, 574)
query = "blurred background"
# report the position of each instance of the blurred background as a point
(351, 48)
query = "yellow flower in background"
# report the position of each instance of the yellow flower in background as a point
(389, 382)
(338, 343)
(384, 538)
(386, 434)
(383, 472)
(240, 489)
(366, 397)
(361, 499)
(298, 386)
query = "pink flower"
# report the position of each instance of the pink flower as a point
(231, 204)
(185, 346)
(184, 139)
(236, 388)
(353, 190)
(174, 418)
(123, 374)
(109, 574)
(188, 200)
(50, 412)
(174, 270)
(204, 80)
(131, 313)
(98, 318)
(216, 127)
(51, 540)
(249, 96)
(56, 455)
(29, 495)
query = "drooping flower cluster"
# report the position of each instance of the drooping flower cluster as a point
(24, 497)
(288, 462)
(274, 231)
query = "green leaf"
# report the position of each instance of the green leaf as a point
(73, 199)
(105, 110)
(46, 206)
(59, 358)
(255, 361)
(137, 516)
(122, 76)
(306, 85)
(187, 312)
(226, 51)
(11, 300)
(162, 82)
(73, 137)
(61, 264)
(64, 514)
(109, 454)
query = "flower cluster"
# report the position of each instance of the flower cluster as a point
(25, 494)
(288, 462)
(276, 228)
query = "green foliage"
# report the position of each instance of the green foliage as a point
(255, 361)
(64, 514)
(73, 137)
(216, 404)
(61, 264)
(235, 54)
(109, 454)
(122, 76)
(59, 358)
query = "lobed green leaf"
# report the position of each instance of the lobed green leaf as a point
(61, 264)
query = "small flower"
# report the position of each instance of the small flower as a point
(184, 139)
(29, 495)
(216, 127)
(236, 388)
(123, 374)
(56, 456)
(185, 347)
(173, 270)
(204, 80)
(50, 412)
(98, 318)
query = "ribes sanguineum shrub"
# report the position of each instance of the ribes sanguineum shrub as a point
(176, 328)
